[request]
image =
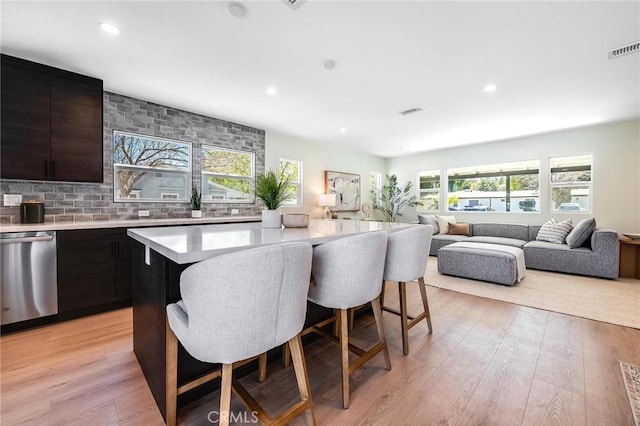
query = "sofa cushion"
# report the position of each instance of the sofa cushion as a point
(554, 232)
(443, 223)
(512, 242)
(459, 229)
(429, 219)
(504, 230)
(581, 232)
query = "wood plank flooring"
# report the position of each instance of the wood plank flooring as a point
(486, 363)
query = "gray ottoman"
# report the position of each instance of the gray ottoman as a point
(480, 261)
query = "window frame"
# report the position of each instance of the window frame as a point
(251, 179)
(572, 184)
(435, 173)
(507, 174)
(186, 172)
(298, 201)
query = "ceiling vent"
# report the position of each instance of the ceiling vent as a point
(294, 4)
(624, 50)
(411, 110)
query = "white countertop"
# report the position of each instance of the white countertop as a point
(189, 244)
(66, 226)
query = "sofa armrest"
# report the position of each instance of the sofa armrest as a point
(605, 240)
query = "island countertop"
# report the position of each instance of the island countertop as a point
(189, 244)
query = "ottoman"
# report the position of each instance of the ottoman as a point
(482, 261)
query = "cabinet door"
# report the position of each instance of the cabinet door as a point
(76, 130)
(25, 133)
(123, 265)
(85, 269)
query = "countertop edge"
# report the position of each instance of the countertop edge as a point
(135, 223)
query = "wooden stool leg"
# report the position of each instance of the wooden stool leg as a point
(425, 302)
(300, 368)
(171, 374)
(382, 294)
(402, 288)
(352, 317)
(225, 395)
(377, 315)
(262, 368)
(344, 346)
(286, 355)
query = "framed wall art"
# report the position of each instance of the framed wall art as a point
(346, 186)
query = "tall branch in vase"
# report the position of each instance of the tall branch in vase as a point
(393, 199)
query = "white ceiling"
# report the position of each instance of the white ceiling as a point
(548, 59)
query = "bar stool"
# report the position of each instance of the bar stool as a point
(236, 307)
(407, 256)
(348, 273)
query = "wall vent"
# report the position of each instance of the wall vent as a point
(411, 110)
(624, 50)
(294, 4)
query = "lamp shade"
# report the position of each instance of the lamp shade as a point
(327, 200)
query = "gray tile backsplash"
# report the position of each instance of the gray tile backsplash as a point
(81, 202)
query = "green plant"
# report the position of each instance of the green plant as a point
(273, 188)
(196, 198)
(393, 199)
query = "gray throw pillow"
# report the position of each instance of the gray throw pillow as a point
(581, 232)
(429, 219)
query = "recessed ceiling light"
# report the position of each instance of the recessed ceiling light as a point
(110, 28)
(343, 130)
(272, 91)
(236, 9)
(490, 88)
(329, 64)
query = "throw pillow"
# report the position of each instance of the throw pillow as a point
(459, 229)
(429, 219)
(554, 232)
(581, 233)
(443, 223)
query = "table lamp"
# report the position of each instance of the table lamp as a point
(326, 201)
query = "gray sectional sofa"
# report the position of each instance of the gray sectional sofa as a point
(597, 257)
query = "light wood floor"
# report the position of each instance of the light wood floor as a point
(487, 362)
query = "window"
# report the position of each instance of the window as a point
(145, 167)
(227, 175)
(293, 169)
(429, 190)
(375, 186)
(571, 183)
(505, 187)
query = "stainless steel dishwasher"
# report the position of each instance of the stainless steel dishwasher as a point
(29, 279)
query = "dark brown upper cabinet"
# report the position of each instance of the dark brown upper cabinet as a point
(51, 126)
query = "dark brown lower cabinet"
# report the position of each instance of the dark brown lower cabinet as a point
(94, 271)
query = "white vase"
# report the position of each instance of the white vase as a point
(196, 213)
(271, 219)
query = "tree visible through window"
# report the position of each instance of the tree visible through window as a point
(147, 168)
(571, 183)
(293, 169)
(505, 187)
(227, 175)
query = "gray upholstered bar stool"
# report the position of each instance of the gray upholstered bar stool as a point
(236, 307)
(407, 256)
(348, 273)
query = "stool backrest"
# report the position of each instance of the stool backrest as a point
(244, 303)
(348, 272)
(407, 253)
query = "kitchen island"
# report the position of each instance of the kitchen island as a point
(161, 254)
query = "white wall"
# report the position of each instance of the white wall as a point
(616, 177)
(316, 159)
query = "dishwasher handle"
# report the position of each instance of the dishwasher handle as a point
(26, 239)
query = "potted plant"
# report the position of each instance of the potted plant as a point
(393, 199)
(196, 202)
(273, 189)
